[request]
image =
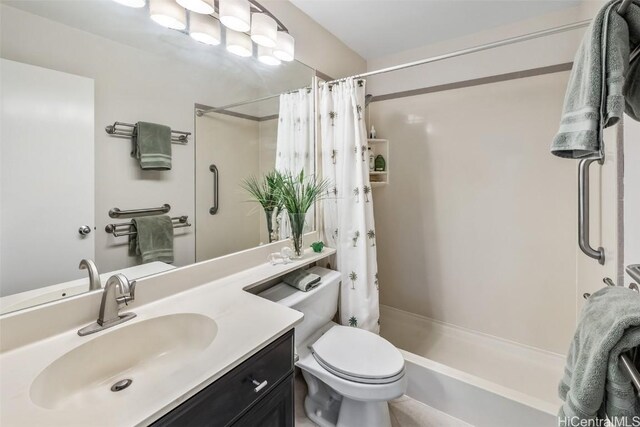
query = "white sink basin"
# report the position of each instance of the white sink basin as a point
(142, 352)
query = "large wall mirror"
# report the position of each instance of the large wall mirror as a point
(74, 77)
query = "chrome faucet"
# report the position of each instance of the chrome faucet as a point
(94, 276)
(117, 292)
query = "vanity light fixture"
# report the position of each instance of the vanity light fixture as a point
(264, 30)
(265, 55)
(204, 7)
(285, 47)
(235, 14)
(272, 38)
(204, 29)
(132, 3)
(239, 43)
(168, 13)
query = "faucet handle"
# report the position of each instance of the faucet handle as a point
(126, 289)
(130, 294)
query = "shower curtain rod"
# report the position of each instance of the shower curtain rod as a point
(462, 52)
(202, 111)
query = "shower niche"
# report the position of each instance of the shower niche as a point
(379, 172)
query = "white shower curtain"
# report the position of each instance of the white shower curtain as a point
(348, 214)
(295, 145)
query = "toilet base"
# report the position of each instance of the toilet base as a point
(327, 408)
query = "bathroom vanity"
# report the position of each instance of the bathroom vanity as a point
(203, 349)
(258, 392)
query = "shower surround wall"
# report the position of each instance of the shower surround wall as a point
(477, 240)
(477, 228)
(240, 148)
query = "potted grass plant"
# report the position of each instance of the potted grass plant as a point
(266, 192)
(298, 192)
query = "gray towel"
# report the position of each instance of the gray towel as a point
(153, 240)
(152, 146)
(602, 83)
(302, 280)
(593, 384)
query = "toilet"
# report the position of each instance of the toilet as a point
(350, 373)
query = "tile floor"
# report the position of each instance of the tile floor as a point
(405, 412)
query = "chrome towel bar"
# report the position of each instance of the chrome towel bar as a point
(116, 129)
(126, 228)
(117, 213)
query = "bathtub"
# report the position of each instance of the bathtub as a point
(480, 379)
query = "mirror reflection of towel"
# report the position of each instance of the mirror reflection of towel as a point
(302, 280)
(152, 146)
(153, 240)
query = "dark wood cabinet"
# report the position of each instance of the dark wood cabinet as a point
(259, 392)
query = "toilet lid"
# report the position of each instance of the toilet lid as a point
(358, 355)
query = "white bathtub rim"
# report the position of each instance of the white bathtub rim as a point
(481, 383)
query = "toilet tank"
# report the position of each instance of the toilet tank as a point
(318, 305)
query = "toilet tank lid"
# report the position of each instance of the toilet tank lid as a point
(290, 296)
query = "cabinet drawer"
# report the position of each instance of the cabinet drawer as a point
(224, 401)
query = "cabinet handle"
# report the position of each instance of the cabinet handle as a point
(259, 385)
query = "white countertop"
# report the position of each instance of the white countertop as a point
(245, 322)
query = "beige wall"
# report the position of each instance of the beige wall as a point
(268, 134)
(239, 148)
(232, 144)
(478, 225)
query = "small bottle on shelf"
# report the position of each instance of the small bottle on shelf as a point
(372, 160)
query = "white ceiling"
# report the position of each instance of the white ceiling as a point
(376, 28)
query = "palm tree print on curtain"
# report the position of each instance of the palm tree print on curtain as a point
(353, 321)
(348, 217)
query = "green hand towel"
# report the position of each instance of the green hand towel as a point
(602, 84)
(152, 146)
(153, 240)
(302, 280)
(609, 325)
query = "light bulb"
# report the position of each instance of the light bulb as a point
(285, 47)
(205, 29)
(265, 55)
(264, 30)
(204, 7)
(235, 14)
(239, 44)
(168, 14)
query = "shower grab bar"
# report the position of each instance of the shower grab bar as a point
(583, 210)
(214, 209)
(117, 212)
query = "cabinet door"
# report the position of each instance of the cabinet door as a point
(274, 410)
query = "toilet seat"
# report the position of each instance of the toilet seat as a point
(357, 355)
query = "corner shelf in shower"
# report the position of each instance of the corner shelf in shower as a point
(379, 146)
